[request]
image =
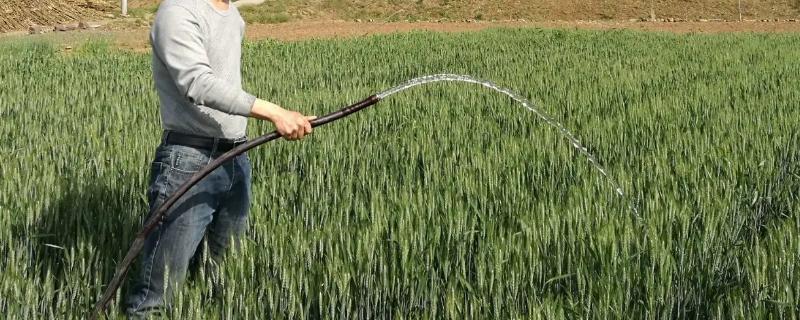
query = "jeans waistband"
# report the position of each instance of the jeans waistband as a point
(201, 142)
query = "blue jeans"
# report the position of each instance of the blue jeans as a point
(216, 208)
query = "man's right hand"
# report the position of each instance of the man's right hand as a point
(290, 124)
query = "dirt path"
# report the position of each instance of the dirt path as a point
(293, 31)
(336, 29)
(137, 39)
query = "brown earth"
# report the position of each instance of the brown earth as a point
(136, 39)
(21, 14)
(338, 29)
(322, 18)
(539, 10)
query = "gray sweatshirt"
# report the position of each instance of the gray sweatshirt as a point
(197, 51)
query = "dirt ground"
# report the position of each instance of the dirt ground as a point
(335, 29)
(136, 39)
(20, 14)
(538, 10)
(353, 18)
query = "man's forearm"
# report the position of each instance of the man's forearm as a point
(290, 124)
(266, 110)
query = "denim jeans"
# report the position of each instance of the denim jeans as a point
(215, 209)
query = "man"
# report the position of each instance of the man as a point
(196, 68)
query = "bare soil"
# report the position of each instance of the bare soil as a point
(333, 18)
(337, 29)
(136, 39)
(539, 10)
(21, 14)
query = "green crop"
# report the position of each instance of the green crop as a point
(444, 201)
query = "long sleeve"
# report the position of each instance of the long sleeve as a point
(177, 40)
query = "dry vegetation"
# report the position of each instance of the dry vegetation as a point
(19, 15)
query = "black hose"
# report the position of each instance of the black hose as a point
(158, 214)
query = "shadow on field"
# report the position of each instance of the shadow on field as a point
(84, 233)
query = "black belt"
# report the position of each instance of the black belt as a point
(200, 142)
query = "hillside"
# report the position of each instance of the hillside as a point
(20, 14)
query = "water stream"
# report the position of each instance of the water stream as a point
(527, 105)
